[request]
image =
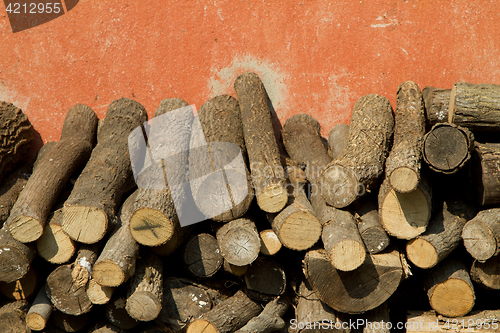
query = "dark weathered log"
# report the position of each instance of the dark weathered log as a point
(403, 163)
(269, 320)
(359, 168)
(337, 140)
(16, 135)
(266, 170)
(356, 291)
(475, 106)
(55, 245)
(97, 192)
(202, 255)
(443, 234)
(487, 274)
(436, 105)
(69, 323)
(30, 212)
(481, 235)
(10, 187)
(13, 317)
(447, 147)
(370, 229)
(265, 279)
(39, 312)
(229, 316)
(269, 242)
(161, 193)
(117, 315)
(429, 321)
(449, 288)
(15, 257)
(21, 289)
(239, 241)
(485, 173)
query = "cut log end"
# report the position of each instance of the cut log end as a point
(15, 264)
(404, 179)
(444, 299)
(273, 198)
(446, 148)
(201, 326)
(269, 242)
(26, 229)
(479, 241)
(150, 227)
(84, 224)
(345, 190)
(422, 253)
(347, 255)
(54, 245)
(108, 274)
(299, 231)
(143, 306)
(98, 294)
(35, 321)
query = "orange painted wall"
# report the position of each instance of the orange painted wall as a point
(316, 57)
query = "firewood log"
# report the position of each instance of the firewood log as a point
(69, 323)
(443, 234)
(265, 279)
(484, 173)
(370, 229)
(117, 315)
(266, 170)
(429, 321)
(337, 140)
(449, 288)
(481, 235)
(359, 168)
(436, 105)
(116, 263)
(13, 317)
(161, 193)
(30, 212)
(239, 241)
(15, 257)
(229, 316)
(269, 320)
(202, 255)
(233, 269)
(356, 291)
(447, 147)
(16, 135)
(39, 312)
(403, 163)
(10, 187)
(55, 245)
(269, 242)
(93, 203)
(219, 179)
(98, 294)
(486, 274)
(475, 106)
(178, 238)
(21, 289)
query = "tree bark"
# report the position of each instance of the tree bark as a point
(15, 257)
(404, 160)
(358, 170)
(265, 279)
(54, 245)
(202, 255)
(436, 105)
(370, 229)
(93, 203)
(10, 187)
(485, 173)
(263, 153)
(481, 235)
(269, 242)
(337, 140)
(13, 317)
(239, 241)
(487, 274)
(39, 312)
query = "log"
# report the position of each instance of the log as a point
(161, 193)
(116, 263)
(447, 147)
(443, 234)
(117, 315)
(266, 170)
(358, 170)
(178, 238)
(229, 316)
(356, 291)
(484, 173)
(98, 294)
(486, 274)
(13, 317)
(428, 321)
(233, 269)
(16, 135)
(145, 293)
(378, 320)
(370, 229)
(104, 327)
(15, 257)
(337, 140)
(239, 241)
(69, 323)
(405, 215)
(39, 312)
(475, 106)
(97, 192)
(30, 212)
(54, 245)
(219, 179)
(436, 102)
(10, 188)
(265, 279)
(202, 255)
(481, 235)
(269, 320)
(449, 288)
(269, 242)
(20, 289)
(404, 160)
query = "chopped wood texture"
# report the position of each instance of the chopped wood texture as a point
(21, 289)
(450, 289)
(239, 241)
(265, 279)
(55, 245)
(430, 322)
(481, 235)
(337, 140)
(269, 242)
(447, 147)
(219, 179)
(269, 320)
(10, 187)
(228, 316)
(16, 135)
(39, 312)
(359, 168)
(15, 257)
(486, 274)
(403, 163)
(30, 212)
(98, 294)
(202, 255)
(443, 234)
(13, 317)
(97, 192)
(370, 229)
(475, 106)
(485, 171)
(356, 291)
(436, 105)
(159, 199)
(266, 170)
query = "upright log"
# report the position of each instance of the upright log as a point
(39, 312)
(337, 140)
(266, 170)
(15, 257)
(239, 241)
(403, 162)
(370, 229)
(202, 255)
(359, 168)
(31, 210)
(485, 173)
(93, 203)
(481, 235)
(13, 317)
(436, 102)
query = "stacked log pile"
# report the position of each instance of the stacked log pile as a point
(208, 223)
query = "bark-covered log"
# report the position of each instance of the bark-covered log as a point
(13, 317)
(202, 255)
(10, 187)
(447, 147)
(16, 135)
(449, 288)
(404, 161)
(69, 323)
(55, 245)
(219, 179)
(161, 193)
(356, 291)
(97, 192)
(359, 168)
(436, 105)
(443, 234)
(429, 321)
(15, 257)
(485, 172)
(117, 315)
(269, 320)
(481, 235)
(30, 212)
(269, 242)
(337, 140)
(39, 312)
(370, 229)
(21, 289)
(266, 170)
(229, 316)
(239, 241)
(116, 263)
(475, 106)
(265, 279)
(486, 274)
